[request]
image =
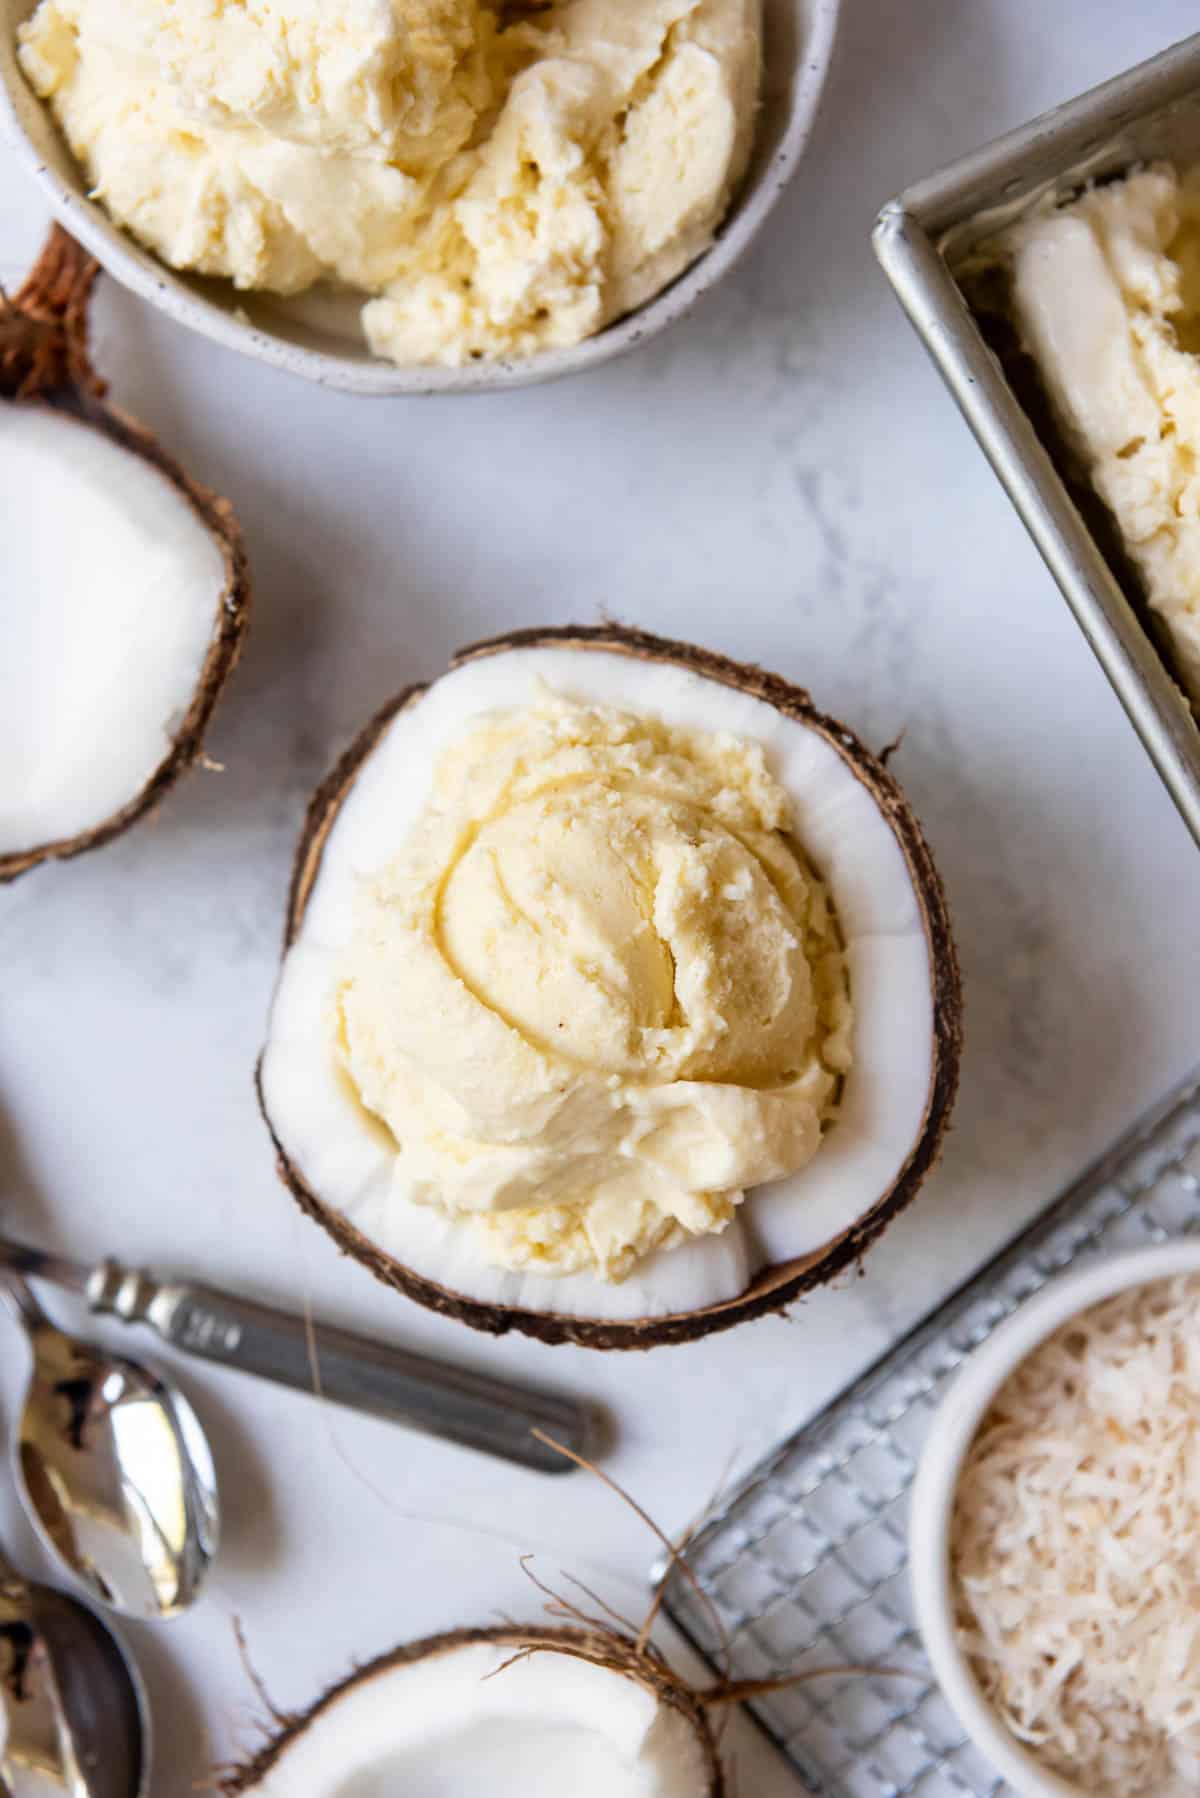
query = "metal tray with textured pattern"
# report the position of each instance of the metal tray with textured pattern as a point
(804, 1567)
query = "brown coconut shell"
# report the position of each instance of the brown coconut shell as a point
(44, 361)
(606, 1648)
(774, 1288)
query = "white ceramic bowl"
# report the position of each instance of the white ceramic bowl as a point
(951, 1435)
(291, 335)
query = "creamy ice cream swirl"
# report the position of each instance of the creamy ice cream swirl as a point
(598, 993)
(491, 181)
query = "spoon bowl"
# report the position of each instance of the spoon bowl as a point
(73, 1716)
(115, 1471)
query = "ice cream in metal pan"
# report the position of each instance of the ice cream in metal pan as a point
(941, 244)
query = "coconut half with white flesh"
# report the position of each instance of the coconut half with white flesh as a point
(126, 588)
(510, 1712)
(340, 1149)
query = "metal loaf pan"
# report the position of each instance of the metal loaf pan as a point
(932, 243)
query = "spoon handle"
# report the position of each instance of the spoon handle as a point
(473, 1409)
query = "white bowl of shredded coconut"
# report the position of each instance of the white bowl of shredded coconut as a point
(1055, 1535)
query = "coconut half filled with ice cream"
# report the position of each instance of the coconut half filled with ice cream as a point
(619, 1001)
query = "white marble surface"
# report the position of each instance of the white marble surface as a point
(782, 477)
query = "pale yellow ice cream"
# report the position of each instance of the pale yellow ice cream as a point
(598, 993)
(500, 182)
(1107, 294)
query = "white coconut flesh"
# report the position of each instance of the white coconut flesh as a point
(348, 1160)
(112, 588)
(462, 1722)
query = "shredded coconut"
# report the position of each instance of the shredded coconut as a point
(1076, 1547)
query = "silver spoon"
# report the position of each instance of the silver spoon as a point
(481, 1411)
(114, 1470)
(73, 1721)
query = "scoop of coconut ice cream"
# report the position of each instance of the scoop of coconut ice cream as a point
(596, 993)
(492, 188)
(402, 82)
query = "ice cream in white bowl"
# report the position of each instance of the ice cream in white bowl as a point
(535, 192)
(952, 1437)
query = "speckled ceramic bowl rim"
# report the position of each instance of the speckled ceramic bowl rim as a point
(153, 281)
(951, 1434)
